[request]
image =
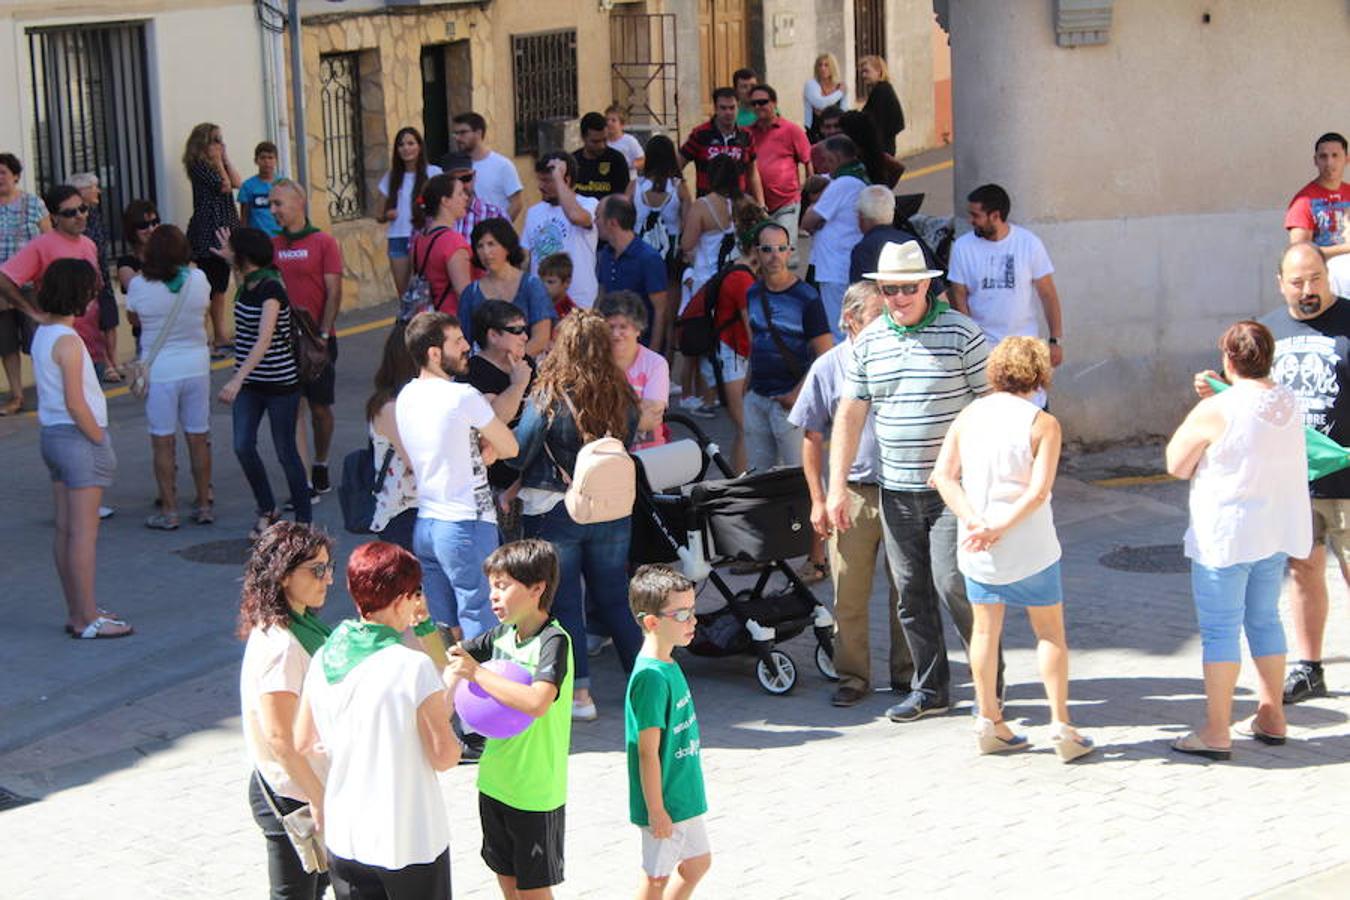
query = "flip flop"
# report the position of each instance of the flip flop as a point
(94, 630)
(11, 408)
(1192, 745)
(1249, 728)
(103, 613)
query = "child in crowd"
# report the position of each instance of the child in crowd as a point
(522, 780)
(631, 148)
(255, 211)
(556, 273)
(665, 776)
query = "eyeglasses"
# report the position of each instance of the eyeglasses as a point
(680, 615)
(320, 570)
(148, 223)
(774, 248)
(514, 329)
(762, 101)
(73, 212)
(890, 290)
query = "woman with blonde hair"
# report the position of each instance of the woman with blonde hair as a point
(995, 471)
(824, 89)
(580, 395)
(214, 181)
(882, 105)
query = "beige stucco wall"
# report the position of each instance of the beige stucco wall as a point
(1156, 169)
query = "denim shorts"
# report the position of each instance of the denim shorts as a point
(1040, 589)
(76, 461)
(733, 365)
(398, 247)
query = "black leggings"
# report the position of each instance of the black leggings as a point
(289, 879)
(353, 880)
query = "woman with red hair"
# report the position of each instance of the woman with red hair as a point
(382, 712)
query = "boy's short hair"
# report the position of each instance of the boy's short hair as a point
(530, 562)
(558, 265)
(265, 147)
(652, 586)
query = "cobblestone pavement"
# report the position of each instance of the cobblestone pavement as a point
(132, 749)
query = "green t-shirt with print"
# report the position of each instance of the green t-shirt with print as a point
(529, 771)
(658, 697)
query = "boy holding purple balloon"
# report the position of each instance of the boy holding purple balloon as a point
(666, 798)
(522, 780)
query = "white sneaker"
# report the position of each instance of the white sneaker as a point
(596, 644)
(583, 712)
(106, 512)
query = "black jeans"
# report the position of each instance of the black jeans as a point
(289, 879)
(353, 880)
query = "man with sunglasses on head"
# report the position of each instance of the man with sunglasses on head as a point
(782, 158)
(917, 365)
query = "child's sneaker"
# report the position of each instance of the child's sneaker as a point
(584, 712)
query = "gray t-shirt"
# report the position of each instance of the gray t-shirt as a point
(818, 399)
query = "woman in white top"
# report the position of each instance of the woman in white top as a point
(382, 714)
(286, 579)
(408, 171)
(709, 236)
(822, 91)
(396, 500)
(661, 191)
(1246, 456)
(73, 416)
(169, 293)
(631, 148)
(995, 471)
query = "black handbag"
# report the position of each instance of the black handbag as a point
(759, 517)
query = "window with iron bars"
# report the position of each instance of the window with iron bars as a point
(340, 101)
(545, 70)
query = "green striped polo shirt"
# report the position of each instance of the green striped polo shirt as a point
(917, 383)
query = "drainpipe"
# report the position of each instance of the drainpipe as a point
(298, 95)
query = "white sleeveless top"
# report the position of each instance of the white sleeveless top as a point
(50, 386)
(670, 209)
(709, 243)
(1249, 495)
(996, 461)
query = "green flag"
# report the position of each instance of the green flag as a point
(1325, 456)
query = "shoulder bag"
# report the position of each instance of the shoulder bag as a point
(300, 829)
(789, 358)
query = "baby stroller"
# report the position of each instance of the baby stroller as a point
(762, 517)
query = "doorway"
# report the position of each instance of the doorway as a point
(447, 91)
(869, 34)
(723, 36)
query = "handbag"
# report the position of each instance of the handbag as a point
(311, 350)
(138, 371)
(417, 297)
(300, 829)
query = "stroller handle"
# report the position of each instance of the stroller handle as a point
(706, 443)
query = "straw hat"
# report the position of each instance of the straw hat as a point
(902, 262)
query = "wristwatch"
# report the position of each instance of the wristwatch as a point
(1053, 342)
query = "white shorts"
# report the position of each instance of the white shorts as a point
(688, 840)
(733, 365)
(184, 402)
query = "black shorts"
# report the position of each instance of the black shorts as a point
(323, 390)
(217, 272)
(107, 310)
(11, 337)
(510, 837)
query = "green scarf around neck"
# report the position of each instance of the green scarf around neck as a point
(934, 310)
(293, 236)
(855, 169)
(175, 284)
(258, 275)
(309, 630)
(352, 643)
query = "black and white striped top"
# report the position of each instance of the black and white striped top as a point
(278, 369)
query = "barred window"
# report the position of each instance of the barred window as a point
(545, 70)
(340, 100)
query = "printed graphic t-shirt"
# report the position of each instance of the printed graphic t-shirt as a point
(548, 230)
(1326, 213)
(255, 196)
(601, 177)
(999, 276)
(1312, 359)
(658, 697)
(303, 265)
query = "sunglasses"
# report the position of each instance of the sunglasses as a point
(679, 615)
(890, 290)
(73, 212)
(514, 329)
(466, 178)
(320, 570)
(762, 101)
(148, 223)
(774, 248)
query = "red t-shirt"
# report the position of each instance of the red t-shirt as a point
(1326, 213)
(433, 260)
(303, 263)
(731, 302)
(779, 148)
(706, 142)
(33, 258)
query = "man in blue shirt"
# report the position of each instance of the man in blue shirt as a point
(254, 208)
(625, 263)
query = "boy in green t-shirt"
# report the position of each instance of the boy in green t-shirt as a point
(665, 778)
(522, 780)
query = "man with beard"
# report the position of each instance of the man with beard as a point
(445, 427)
(1312, 359)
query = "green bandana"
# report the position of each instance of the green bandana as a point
(175, 284)
(293, 236)
(258, 275)
(352, 643)
(309, 630)
(934, 310)
(855, 169)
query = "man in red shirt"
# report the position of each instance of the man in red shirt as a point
(782, 158)
(721, 136)
(310, 263)
(1320, 212)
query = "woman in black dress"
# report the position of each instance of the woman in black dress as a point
(214, 181)
(882, 106)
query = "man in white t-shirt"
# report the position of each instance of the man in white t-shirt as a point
(563, 222)
(444, 427)
(496, 180)
(995, 270)
(834, 222)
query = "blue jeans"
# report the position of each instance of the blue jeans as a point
(281, 410)
(599, 553)
(1244, 596)
(452, 554)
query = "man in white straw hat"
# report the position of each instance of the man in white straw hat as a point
(919, 363)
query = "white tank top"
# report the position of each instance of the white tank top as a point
(996, 461)
(709, 243)
(50, 386)
(1249, 494)
(670, 209)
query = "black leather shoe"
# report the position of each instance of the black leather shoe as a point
(846, 696)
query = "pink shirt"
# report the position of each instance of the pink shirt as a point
(303, 265)
(779, 148)
(27, 266)
(436, 268)
(649, 376)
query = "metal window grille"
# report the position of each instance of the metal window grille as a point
(545, 70)
(340, 101)
(91, 113)
(643, 55)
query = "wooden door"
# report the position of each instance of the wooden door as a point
(723, 37)
(869, 34)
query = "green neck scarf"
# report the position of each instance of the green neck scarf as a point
(309, 630)
(352, 643)
(934, 310)
(293, 236)
(854, 169)
(175, 284)
(258, 275)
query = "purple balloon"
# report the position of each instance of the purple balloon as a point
(481, 712)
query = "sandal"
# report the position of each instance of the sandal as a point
(987, 740)
(1249, 728)
(204, 515)
(1069, 744)
(103, 613)
(12, 408)
(96, 630)
(112, 376)
(264, 522)
(162, 522)
(1193, 745)
(813, 572)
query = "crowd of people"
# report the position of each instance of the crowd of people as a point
(911, 391)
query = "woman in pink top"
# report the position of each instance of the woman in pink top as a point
(648, 372)
(439, 252)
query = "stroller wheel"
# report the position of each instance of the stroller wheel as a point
(781, 681)
(825, 663)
